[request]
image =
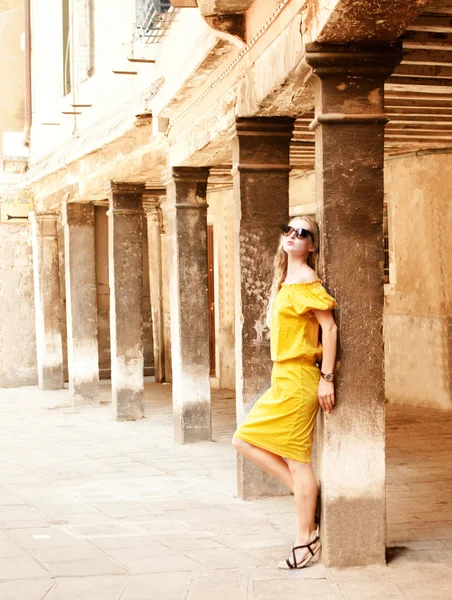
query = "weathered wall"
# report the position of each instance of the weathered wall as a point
(220, 216)
(418, 314)
(103, 299)
(17, 315)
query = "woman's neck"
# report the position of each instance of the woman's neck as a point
(295, 266)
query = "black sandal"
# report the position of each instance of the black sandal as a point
(307, 559)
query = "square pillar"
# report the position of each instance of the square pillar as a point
(151, 205)
(187, 230)
(349, 127)
(261, 169)
(47, 300)
(81, 302)
(125, 257)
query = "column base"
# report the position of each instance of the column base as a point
(358, 545)
(253, 482)
(192, 424)
(127, 406)
(51, 378)
(85, 395)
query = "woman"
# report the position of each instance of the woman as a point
(277, 433)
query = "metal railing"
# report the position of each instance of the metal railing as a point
(153, 19)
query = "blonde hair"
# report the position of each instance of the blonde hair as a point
(280, 261)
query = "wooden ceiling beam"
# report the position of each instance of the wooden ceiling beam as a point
(415, 127)
(432, 23)
(420, 95)
(403, 109)
(427, 57)
(416, 135)
(424, 70)
(426, 41)
(419, 82)
(401, 117)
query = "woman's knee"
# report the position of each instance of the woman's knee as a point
(298, 468)
(240, 445)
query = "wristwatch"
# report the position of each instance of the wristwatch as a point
(327, 376)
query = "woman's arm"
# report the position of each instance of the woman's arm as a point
(329, 343)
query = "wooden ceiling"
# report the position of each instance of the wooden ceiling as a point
(418, 96)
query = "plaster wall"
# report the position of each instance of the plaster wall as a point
(18, 365)
(418, 312)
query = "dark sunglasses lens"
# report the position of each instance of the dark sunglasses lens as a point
(286, 229)
(302, 234)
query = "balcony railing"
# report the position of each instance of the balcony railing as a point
(153, 19)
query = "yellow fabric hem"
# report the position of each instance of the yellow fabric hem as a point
(270, 449)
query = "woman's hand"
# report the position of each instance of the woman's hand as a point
(326, 395)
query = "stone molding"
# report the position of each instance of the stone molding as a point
(368, 60)
(276, 130)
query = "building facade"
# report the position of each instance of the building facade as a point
(166, 150)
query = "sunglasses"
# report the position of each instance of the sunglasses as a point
(301, 233)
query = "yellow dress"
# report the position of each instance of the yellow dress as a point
(282, 420)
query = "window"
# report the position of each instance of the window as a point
(152, 18)
(78, 43)
(67, 78)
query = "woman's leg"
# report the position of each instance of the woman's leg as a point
(305, 490)
(269, 462)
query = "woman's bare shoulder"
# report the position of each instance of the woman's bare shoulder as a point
(306, 276)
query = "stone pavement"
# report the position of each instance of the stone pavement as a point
(91, 509)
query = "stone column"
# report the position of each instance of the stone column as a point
(349, 127)
(125, 257)
(47, 300)
(81, 301)
(187, 230)
(151, 200)
(261, 169)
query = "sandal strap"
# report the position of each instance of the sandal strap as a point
(308, 546)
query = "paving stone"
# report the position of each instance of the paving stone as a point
(25, 590)
(292, 588)
(141, 559)
(9, 549)
(102, 530)
(159, 586)
(42, 538)
(359, 590)
(84, 568)
(223, 558)
(67, 554)
(221, 585)
(88, 588)
(134, 541)
(21, 568)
